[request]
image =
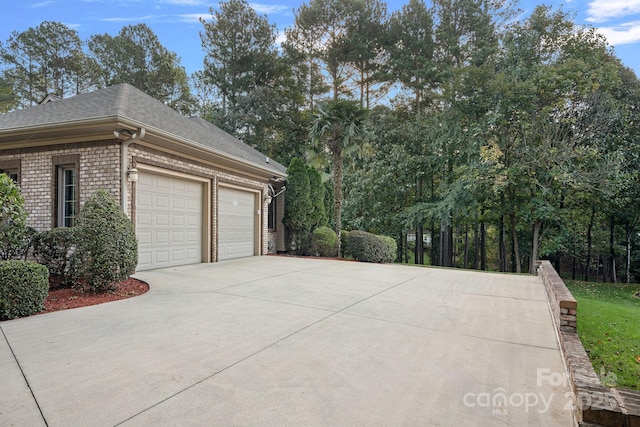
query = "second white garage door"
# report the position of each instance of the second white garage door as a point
(168, 221)
(236, 223)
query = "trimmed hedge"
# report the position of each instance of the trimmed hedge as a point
(324, 242)
(106, 242)
(24, 286)
(368, 247)
(345, 252)
(392, 248)
(55, 249)
(15, 236)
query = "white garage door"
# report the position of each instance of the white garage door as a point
(168, 221)
(236, 223)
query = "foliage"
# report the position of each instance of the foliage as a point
(137, 57)
(317, 215)
(369, 247)
(15, 236)
(47, 59)
(56, 250)
(297, 202)
(324, 242)
(24, 286)
(391, 250)
(345, 251)
(609, 328)
(335, 130)
(106, 242)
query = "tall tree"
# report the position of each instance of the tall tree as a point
(410, 50)
(47, 59)
(364, 49)
(136, 56)
(335, 130)
(239, 49)
(321, 33)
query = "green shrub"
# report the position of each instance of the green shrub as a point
(345, 252)
(55, 249)
(15, 236)
(23, 288)
(324, 242)
(369, 247)
(106, 242)
(392, 249)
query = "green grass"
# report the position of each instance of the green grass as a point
(609, 328)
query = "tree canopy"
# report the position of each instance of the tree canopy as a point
(486, 138)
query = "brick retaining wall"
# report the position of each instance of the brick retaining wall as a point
(596, 405)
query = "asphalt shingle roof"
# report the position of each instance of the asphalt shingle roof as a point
(124, 101)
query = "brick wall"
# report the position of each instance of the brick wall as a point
(98, 161)
(596, 405)
(144, 155)
(99, 168)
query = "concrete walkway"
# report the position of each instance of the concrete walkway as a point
(276, 341)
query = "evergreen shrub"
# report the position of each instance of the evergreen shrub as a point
(24, 286)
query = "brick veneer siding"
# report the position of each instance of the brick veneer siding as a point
(596, 405)
(144, 155)
(99, 163)
(99, 169)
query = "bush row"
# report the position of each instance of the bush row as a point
(368, 247)
(24, 286)
(101, 250)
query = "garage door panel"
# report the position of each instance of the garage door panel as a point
(168, 221)
(236, 223)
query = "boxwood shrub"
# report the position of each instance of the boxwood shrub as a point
(55, 249)
(24, 286)
(106, 242)
(324, 242)
(368, 247)
(344, 244)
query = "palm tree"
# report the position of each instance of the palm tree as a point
(334, 131)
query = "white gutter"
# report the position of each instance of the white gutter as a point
(124, 166)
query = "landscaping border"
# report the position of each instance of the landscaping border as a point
(595, 404)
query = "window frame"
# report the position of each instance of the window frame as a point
(13, 169)
(61, 165)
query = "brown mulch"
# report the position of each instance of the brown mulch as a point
(63, 299)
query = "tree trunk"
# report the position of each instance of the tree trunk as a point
(629, 233)
(466, 246)
(535, 244)
(502, 250)
(483, 247)
(589, 241)
(476, 243)
(612, 251)
(434, 254)
(516, 249)
(337, 194)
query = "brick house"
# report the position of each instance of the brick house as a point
(194, 193)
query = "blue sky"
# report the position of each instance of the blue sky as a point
(176, 21)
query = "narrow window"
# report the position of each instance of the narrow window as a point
(271, 217)
(67, 195)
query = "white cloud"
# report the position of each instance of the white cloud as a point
(185, 2)
(623, 34)
(132, 18)
(42, 4)
(604, 10)
(268, 8)
(194, 17)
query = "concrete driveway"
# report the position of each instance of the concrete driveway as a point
(274, 341)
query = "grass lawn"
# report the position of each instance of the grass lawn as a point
(609, 328)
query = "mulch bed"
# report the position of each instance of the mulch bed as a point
(63, 298)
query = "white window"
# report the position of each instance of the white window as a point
(67, 195)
